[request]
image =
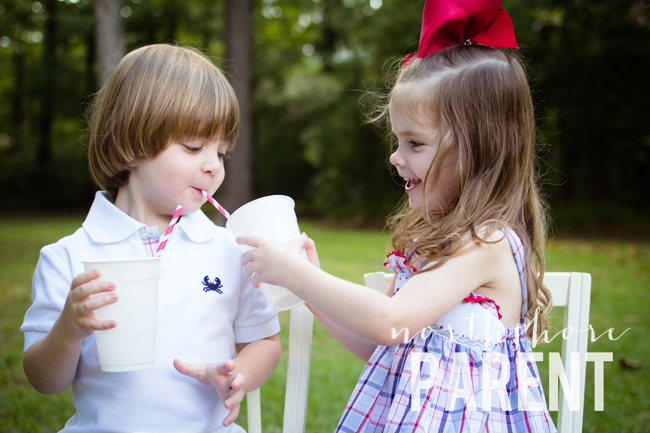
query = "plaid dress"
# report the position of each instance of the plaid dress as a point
(455, 376)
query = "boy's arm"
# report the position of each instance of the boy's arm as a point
(50, 363)
(257, 361)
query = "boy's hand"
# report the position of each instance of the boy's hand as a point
(220, 377)
(77, 318)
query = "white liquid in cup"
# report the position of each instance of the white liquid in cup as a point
(271, 217)
(131, 345)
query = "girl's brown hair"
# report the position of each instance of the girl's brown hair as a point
(156, 94)
(479, 99)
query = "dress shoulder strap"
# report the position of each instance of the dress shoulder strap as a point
(519, 254)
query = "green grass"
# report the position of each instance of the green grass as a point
(620, 272)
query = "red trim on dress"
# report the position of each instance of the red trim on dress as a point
(480, 298)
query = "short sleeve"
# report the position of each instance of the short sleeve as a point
(255, 318)
(50, 288)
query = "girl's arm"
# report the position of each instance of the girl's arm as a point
(50, 364)
(366, 313)
(359, 347)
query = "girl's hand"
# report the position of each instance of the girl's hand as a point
(220, 377)
(310, 249)
(77, 319)
(269, 261)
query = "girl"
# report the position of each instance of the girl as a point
(158, 135)
(446, 345)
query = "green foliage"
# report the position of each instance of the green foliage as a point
(591, 57)
(42, 77)
(312, 62)
(307, 111)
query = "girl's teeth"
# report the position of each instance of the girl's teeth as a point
(410, 184)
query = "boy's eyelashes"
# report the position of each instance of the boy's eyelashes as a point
(197, 149)
(193, 149)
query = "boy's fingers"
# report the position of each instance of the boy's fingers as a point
(98, 325)
(224, 367)
(235, 398)
(96, 302)
(232, 416)
(238, 382)
(190, 370)
(86, 276)
(88, 288)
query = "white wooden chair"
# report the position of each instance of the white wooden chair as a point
(297, 388)
(569, 290)
(572, 291)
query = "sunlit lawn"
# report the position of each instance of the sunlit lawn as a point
(621, 277)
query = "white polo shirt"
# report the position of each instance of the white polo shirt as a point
(194, 325)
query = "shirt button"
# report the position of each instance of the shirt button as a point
(143, 234)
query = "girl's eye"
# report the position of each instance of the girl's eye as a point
(414, 143)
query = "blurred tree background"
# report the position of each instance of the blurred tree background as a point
(311, 61)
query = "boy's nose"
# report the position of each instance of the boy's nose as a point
(212, 165)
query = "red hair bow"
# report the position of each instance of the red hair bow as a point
(447, 23)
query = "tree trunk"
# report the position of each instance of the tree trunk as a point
(109, 38)
(238, 186)
(18, 102)
(43, 159)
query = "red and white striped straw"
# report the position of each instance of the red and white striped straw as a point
(215, 204)
(168, 232)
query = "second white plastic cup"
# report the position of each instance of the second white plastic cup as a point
(271, 217)
(131, 345)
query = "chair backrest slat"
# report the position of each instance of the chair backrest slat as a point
(297, 387)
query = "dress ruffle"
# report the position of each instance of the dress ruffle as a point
(482, 300)
(397, 262)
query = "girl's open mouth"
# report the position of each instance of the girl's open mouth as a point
(411, 184)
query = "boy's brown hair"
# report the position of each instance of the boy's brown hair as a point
(157, 93)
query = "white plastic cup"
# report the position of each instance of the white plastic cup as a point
(131, 345)
(271, 217)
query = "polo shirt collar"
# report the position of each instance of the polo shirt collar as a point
(106, 223)
(197, 227)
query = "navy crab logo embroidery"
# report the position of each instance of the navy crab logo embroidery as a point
(212, 287)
